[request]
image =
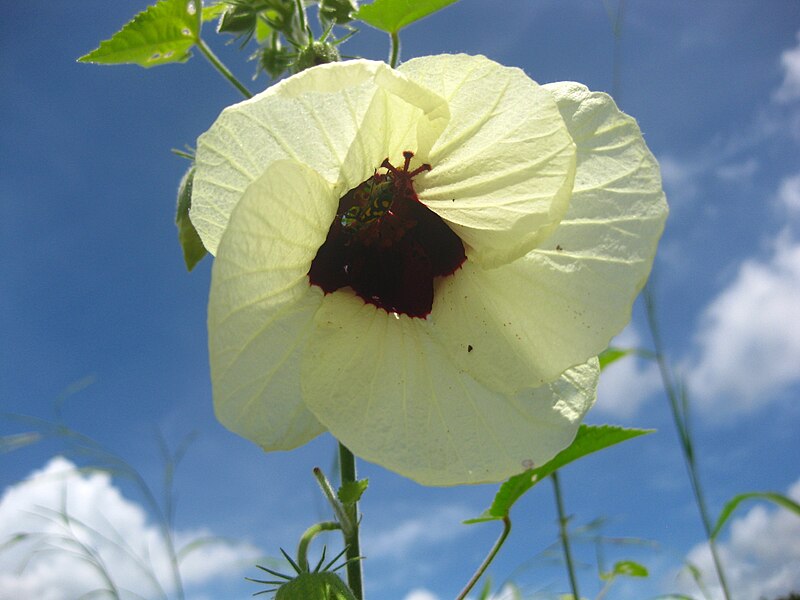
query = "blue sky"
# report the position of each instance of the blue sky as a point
(94, 295)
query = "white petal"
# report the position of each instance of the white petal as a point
(564, 301)
(618, 208)
(504, 166)
(261, 306)
(341, 119)
(384, 387)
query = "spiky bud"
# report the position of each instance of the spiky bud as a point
(316, 53)
(314, 586)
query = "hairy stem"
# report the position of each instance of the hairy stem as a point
(679, 406)
(217, 64)
(563, 520)
(488, 560)
(347, 471)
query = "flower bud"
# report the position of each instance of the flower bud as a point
(237, 20)
(314, 586)
(316, 53)
(274, 61)
(338, 11)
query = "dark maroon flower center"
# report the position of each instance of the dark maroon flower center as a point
(386, 245)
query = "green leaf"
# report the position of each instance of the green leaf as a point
(612, 355)
(193, 249)
(778, 499)
(627, 568)
(263, 31)
(164, 33)
(392, 15)
(213, 11)
(486, 591)
(351, 491)
(590, 438)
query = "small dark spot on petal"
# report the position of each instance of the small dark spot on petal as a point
(559, 248)
(469, 348)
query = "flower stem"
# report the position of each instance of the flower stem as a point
(394, 55)
(217, 64)
(347, 472)
(679, 406)
(488, 560)
(564, 534)
(310, 534)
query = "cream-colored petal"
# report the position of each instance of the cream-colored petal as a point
(261, 306)
(616, 215)
(503, 168)
(564, 301)
(340, 119)
(386, 389)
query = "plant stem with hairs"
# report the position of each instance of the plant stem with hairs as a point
(488, 560)
(347, 470)
(563, 521)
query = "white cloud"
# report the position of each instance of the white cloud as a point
(507, 593)
(738, 172)
(47, 565)
(684, 178)
(760, 558)
(627, 384)
(680, 178)
(420, 594)
(436, 526)
(790, 87)
(789, 193)
(749, 338)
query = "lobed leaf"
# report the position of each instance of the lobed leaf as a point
(731, 506)
(193, 249)
(590, 438)
(163, 33)
(392, 15)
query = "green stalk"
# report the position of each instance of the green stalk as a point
(394, 54)
(217, 64)
(347, 473)
(310, 534)
(303, 19)
(679, 406)
(488, 560)
(563, 520)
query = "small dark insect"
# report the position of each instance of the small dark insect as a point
(469, 348)
(559, 248)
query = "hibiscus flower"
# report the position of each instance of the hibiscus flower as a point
(422, 261)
